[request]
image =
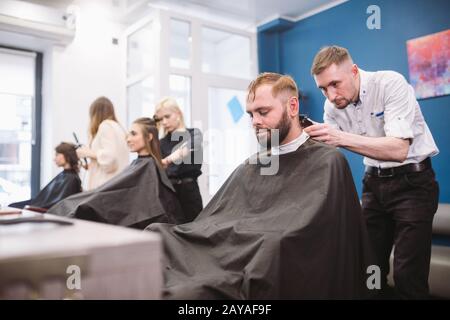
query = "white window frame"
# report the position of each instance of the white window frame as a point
(200, 81)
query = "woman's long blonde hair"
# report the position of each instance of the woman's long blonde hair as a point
(148, 126)
(171, 104)
(101, 109)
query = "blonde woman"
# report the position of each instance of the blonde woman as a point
(182, 153)
(107, 151)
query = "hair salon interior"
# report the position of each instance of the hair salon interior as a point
(57, 56)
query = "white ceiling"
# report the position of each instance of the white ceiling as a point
(244, 13)
(255, 11)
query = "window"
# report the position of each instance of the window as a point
(231, 138)
(180, 44)
(141, 51)
(19, 125)
(141, 69)
(206, 67)
(180, 89)
(141, 99)
(225, 53)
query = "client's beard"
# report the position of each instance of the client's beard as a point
(283, 127)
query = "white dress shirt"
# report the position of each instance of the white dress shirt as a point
(387, 107)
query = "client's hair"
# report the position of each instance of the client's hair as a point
(148, 126)
(69, 153)
(281, 84)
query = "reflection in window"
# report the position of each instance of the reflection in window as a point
(225, 53)
(180, 44)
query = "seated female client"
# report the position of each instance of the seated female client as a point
(65, 184)
(141, 194)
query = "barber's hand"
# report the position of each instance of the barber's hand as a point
(84, 165)
(85, 152)
(325, 133)
(165, 162)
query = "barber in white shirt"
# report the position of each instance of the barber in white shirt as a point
(376, 114)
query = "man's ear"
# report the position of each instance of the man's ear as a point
(293, 106)
(354, 70)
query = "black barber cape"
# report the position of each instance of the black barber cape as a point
(139, 195)
(298, 234)
(65, 184)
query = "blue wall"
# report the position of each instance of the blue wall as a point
(291, 51)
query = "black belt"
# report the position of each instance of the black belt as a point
(390, 172)
(181, 181)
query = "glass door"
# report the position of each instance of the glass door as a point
(17, 124)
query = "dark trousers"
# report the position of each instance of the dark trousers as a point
(399, 211)
(188, 194)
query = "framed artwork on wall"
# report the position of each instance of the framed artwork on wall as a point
(429, 64)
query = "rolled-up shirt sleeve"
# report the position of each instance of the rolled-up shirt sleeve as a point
(399, 108)
(106, 153)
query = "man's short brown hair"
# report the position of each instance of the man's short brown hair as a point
(280, 84)
(327, 56)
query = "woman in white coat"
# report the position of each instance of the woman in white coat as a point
(107, 151)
